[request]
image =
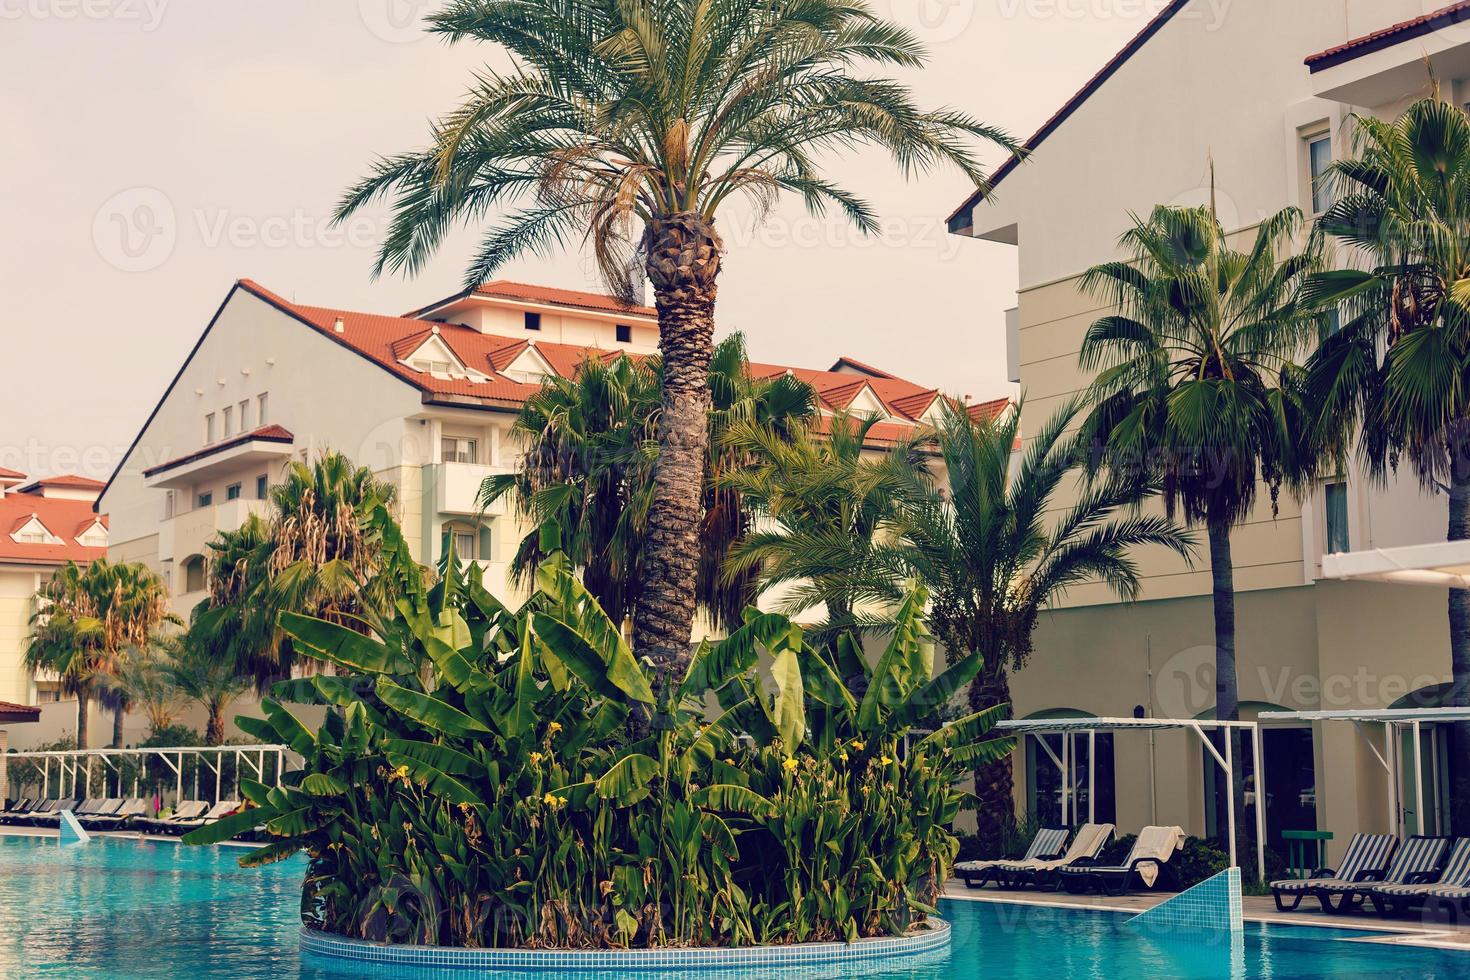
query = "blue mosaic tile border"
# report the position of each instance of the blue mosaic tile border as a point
(1213, 906)
(721, 960)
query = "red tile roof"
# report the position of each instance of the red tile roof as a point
(11, 474)
(1393, 34)
(265, 433)
(859, 366)
(65, 519)
(12, 713)
(1070, 106)
(386, 339)
(989, 410)
(67, 481)
(574, 298)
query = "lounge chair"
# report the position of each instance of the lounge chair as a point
(78, 808)
(1150, 853)
(1086, 845)
(185, 810)
(221, 809)
(1396, 897)
(1049, 842)
(19, 807)
(1418, 857)
(42, 806)
(117, 816)
(1365, 860)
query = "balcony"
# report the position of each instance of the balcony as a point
(188, 533)
(456, 486)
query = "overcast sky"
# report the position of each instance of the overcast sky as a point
(154, 151)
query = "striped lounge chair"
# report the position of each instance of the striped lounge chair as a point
(1418, 857)
(1366, 859)
(1396, 897)
(1086, 845)
(1048, 843)
(1151, 853)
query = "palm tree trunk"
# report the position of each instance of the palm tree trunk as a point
(1459, 696)
(214, 731)
(83, 704)
(683, 263)
(1227, 690)
(117, 726)
(996, 806)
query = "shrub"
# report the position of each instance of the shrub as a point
(499, 778)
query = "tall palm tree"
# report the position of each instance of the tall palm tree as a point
(87, 619)
(1396, 376)
(142, 680)
(588, 460)
(632, 123)
(1195, 380)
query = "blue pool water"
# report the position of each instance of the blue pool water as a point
(123, 909)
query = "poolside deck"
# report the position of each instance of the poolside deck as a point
(1408, 931)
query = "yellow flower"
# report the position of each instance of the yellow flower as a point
(858, 746)
(401, 773)
(884, 761)
(553, 728)
(842, 757)
(790, 764)
(729, 762)
(553, 801)
(536, 758)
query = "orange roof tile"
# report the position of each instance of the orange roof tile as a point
(65, 519)
(525, 292)
(11, 474)
(264, 433)
(1393, 34)
(68, 481)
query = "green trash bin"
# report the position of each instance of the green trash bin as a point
(1306, 851)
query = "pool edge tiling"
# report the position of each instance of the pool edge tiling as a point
(722, 958)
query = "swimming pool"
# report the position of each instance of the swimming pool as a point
(123, 909)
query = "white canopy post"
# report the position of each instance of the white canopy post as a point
(1091, 776)
(1418, 783)
(1260, 759)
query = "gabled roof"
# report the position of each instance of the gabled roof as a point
(524, 292)
(858, 366)
(64, 518)
(9, 476)
(11, 713)
(1070, 106)
(265, 433)
(65, 481)
(1407, 30)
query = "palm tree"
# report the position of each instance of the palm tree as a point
(587, 468)
(993, 541)
(818, 493)
(632, 124)
(321, 553)
(1394, 377)
(142, 680)
(197, 669)
(1195, 381)
(88, 617)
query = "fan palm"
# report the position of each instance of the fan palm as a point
(1195, 380)
(632, 124)
(142, 680)
(88, 617)
(589, 448)
(1396, 376)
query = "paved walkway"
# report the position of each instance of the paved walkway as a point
(1410, 930)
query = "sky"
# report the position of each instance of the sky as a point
(152, 152)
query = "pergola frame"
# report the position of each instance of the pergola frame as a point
(1069, 728)
(74, 762)
(1392, 720)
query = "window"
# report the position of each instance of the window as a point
(456, 450)
(1319, 159)
(533, 321)
(229, 416)
(262, 485)
(1335, 495)
(465, 541)
(625, 333)
(261, 401)
(432, 367)
(194, 573)
(245, 415)
(206, 498)
(232, 492)
(209, 428)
